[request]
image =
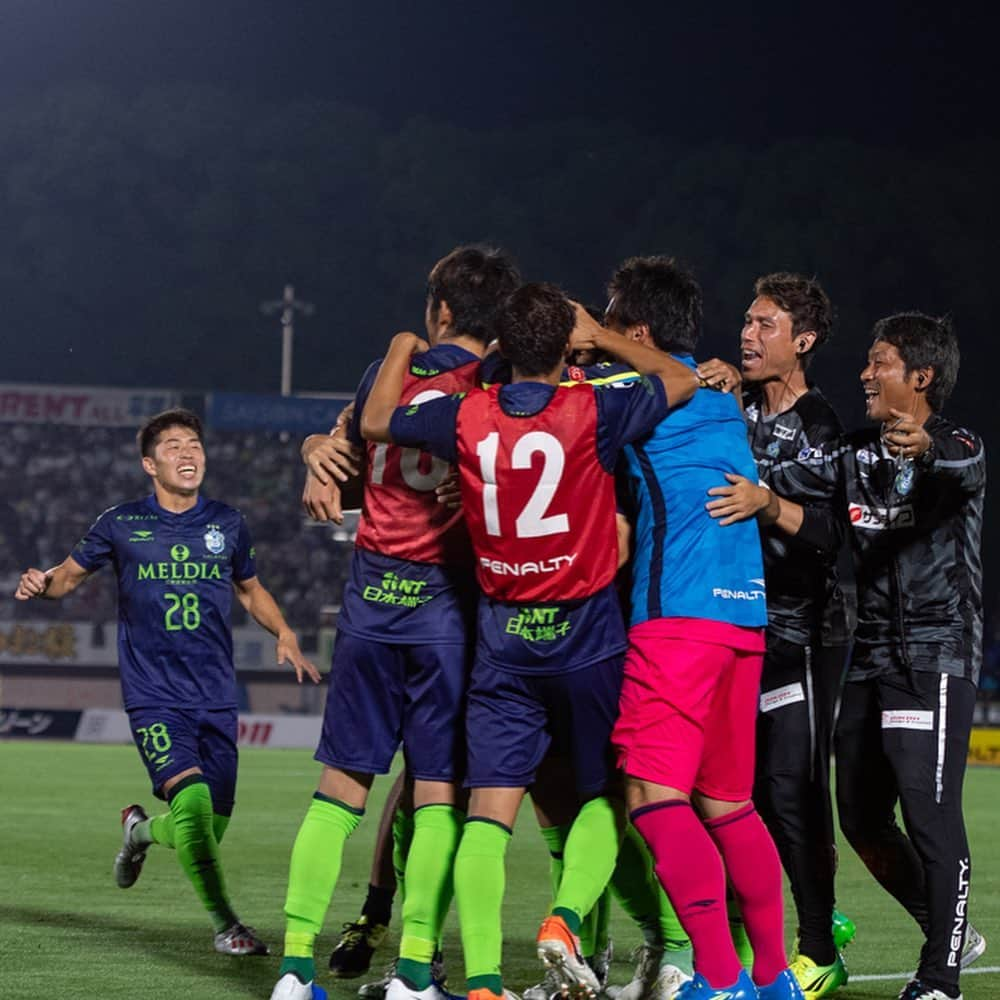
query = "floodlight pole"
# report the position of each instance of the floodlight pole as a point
(288, 305)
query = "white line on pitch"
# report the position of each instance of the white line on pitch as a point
(905, 976)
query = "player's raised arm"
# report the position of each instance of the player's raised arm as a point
(52, 584)
(388, 387)
(262, 607)
(679, 381)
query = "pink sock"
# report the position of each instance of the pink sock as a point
(751, 860)
(690, 870)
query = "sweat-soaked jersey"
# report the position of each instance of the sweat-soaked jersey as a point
(175, 593)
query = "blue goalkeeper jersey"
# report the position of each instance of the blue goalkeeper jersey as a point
(175, 593)
(686, 564)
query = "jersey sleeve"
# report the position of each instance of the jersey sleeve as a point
(956, 455)
(360, 398)
(430, 426)
(627, 412)
(244, 554)
(96, 548)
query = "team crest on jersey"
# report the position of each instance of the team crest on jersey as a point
(215, 540)
(576, 373)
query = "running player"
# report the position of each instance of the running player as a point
(400, 661)
(536, 465)
(692, 674)
(787, 322)
(178, 557)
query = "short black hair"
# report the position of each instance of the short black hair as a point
(924, 342)
(149, 433)
(534, 325)
(804, 300)
(662, 293)
(473, 280)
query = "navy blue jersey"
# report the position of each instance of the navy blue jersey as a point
(175, 593)
(549, 637)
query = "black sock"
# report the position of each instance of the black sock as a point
(378, 905)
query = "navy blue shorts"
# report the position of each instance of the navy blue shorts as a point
(382, 694)
(171, 740)
(514, 720)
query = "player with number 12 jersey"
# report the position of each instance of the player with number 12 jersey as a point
(536, 465)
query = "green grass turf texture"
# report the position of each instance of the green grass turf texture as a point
(66, 930)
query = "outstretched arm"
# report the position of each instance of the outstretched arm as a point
(53, 583)
(388, 387)
(261, 606)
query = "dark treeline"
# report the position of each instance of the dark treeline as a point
(139, 235)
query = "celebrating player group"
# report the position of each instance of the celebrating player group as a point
(591, 569)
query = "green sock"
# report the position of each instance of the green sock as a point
(602, 924)
(198, 850)
(636, 887)
(674, 935)
(220, 824)
(744, 952)
(555, 841)
(312, 876)
(590, 856)
(402, 837)
(430, 886)
(479, 889)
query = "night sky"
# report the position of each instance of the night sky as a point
(902, 74)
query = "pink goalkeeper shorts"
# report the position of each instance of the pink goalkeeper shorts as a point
(688, 708)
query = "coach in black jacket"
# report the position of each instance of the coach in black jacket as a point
(915, 488)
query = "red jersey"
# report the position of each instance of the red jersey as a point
(401, 517)
(539, 505)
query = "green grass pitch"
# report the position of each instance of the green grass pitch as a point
(66, 930)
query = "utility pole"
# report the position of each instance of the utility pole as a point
(288, 305)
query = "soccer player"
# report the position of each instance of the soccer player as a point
(915, 485)
(178, 557)
(400, 661)
(685, 736)
(536, 466)
(787, 322)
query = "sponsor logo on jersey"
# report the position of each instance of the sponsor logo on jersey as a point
(784, 433)
(215, 540)
(906, 718)
(538, 624)
(880, 518)
(774, 449)
(397, 591)
(422, 372)
(790, 694)
(179, 572)
(811, 456)
(141, 536)
(866, 456)
(552, 565)
(179, 553)
(137, 517)
(755, 592)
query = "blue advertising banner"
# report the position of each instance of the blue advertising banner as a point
(245, 411)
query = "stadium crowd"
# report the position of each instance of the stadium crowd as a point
(55, 478)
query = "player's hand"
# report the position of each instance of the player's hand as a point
(448, 492)
(739, 501)
(33, 583)
(585, 332)
(720, 375)
(344, 418)
(322, 500)
(904, 436)
(409, 342)
(331, 456)
(289, 652)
